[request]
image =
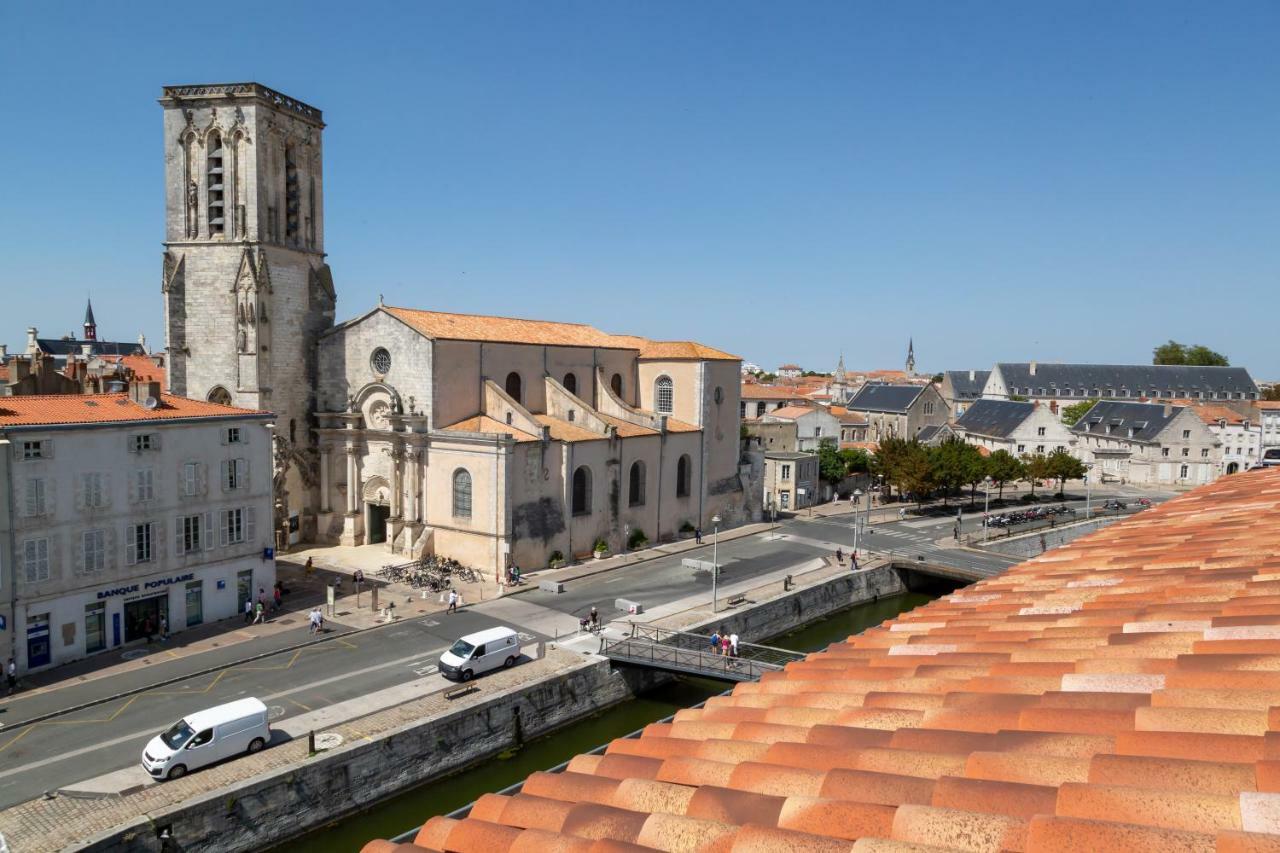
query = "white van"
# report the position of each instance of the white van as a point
(207, 736)
(480, 652)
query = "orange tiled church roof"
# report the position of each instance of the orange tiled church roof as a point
(480, 327)
(1119, 693)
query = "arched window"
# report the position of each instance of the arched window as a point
(635, 485)
(220, 395)
(616, 384)
(461, 493)
(217, 221)
(682, 476)
(515, 387)
(663, 395)
(571, 383)
(582, 491)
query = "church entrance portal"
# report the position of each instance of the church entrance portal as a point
(377, 523)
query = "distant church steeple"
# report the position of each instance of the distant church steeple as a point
(911, 357)
(90, 326)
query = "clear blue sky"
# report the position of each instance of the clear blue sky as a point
(1003, 181)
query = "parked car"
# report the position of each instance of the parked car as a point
(1270, 457)
(206, 737)
(480, 652)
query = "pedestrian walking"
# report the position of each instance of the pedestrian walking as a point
(262, 606)
(902, 513)
(248, 610)
(733, 644)
(724, 644)
(277, 596)
(314, 619)
(164, 628)
(453, 602)
(309, 567)
(715, 642)
(840, 556)
(11, 674)
(853, 558)
(697, 535)
(259, 613)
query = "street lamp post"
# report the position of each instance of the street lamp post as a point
(986, 508)
(715, 558)
(857, 499)
(1088, 491)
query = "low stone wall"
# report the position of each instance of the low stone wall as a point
(288, 802)
(800, 607)
(1036, 542)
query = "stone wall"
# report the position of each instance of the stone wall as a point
(303, 796)
(1038, 541)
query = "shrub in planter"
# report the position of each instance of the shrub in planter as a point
(637, 539)
(601, 547)
(556, 560)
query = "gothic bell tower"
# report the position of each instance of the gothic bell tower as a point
(246, 287)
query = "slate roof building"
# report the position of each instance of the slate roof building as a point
(961, 387)
(1115, 694)
(1148, 443)
(898, 410)
(1016, 427)
(934, 435)
(1064, 384)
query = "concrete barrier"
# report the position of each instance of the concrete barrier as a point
(626, 605)
(554, 587)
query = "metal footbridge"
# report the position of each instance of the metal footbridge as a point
(690, 654)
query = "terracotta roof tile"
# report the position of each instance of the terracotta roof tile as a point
(1119, 693)
(67, 409)
(486, 424)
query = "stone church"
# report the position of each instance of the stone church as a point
(487, 439)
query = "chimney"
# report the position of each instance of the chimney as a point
(4, 351)
(86, 351)
(973, 374)
(139, 392)
(1168, 410)
(20, 368)
(32, 346)
(1033, 368)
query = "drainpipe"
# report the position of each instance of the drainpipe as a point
(11, 544)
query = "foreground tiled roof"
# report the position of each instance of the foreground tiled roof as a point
(67, 409)
(1120, 693)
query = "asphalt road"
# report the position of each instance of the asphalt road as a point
(72, 747)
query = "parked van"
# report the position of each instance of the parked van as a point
(1270, 457)
(206, 737)
(480, 652)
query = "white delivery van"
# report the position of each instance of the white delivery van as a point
(480, 652)
(204, 737)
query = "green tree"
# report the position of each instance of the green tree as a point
(1272, 393)
(937, 379)
(856, 460)
(915, 471)
(1004, 468)
(1195, 354)
(950, 464)
(1018, 398)
(1072, 414)
(1037, 468)
(1170, 353)
(888, 460)
(1062, 466)
(977, 468)
(831, 468)
(1202, 356)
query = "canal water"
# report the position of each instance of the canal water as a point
(405, 811)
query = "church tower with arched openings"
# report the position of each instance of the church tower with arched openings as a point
(911, 357)
(246, 287)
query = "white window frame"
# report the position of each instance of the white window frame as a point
(190, 479)
(143, 442)
(234, 435)
(37, 449)
(235, 474)
(664, 395)
(141, 544)
(190, 533)
(232, 526)
(36, 498)
(93, 551)
(35, 560)
(93, 489)
(144, 485)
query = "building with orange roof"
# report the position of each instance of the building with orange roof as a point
(484, 438)
(498, 440)
(1239, 434)
(132, 513)
(1119, 693)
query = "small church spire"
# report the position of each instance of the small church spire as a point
(90, 326)
(911, 357)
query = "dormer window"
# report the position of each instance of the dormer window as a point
(214, 186)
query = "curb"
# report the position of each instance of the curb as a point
(166, 682)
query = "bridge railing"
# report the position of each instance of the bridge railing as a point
(773, 658)
(694, 661)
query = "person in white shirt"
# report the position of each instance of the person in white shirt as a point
(733, 645)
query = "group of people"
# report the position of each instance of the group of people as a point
(316, 620)
(723, 643)
(513, 575)
(590, 622)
